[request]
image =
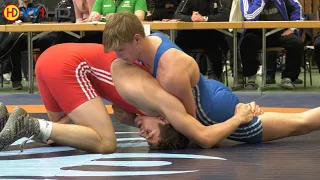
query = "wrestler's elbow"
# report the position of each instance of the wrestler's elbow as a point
(206, 141)
(206, 144)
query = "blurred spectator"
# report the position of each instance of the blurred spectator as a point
(81, 9)
(211, 41)
(103, 9)
(289, 39)
(15, 42)
(162, 9)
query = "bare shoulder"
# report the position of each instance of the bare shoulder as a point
(176, 56)
(174, 62)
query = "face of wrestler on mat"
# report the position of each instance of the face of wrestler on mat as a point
(129, 52)
(149, 128)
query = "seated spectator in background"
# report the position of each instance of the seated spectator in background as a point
(80, 11)
(317, 50)
(274, 63)
(103, 9)
(16, 42)
(162, 9)
(289, 39)
(83, 9)
(3, 35)
(211, 41)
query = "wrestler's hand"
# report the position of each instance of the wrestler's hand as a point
(123, 116)
(244, 113)
(256, 110)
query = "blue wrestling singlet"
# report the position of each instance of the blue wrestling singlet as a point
(215, 103)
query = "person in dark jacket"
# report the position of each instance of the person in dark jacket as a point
(317, 49)
(270, 10)
(162, 9)
(212, 42)
(16, 42)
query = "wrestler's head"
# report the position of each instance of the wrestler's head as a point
(123, 34)
(159, 133)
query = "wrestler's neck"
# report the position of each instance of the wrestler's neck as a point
(148, 51)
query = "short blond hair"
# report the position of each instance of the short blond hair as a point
(121, 28)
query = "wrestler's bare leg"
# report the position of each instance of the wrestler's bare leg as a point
(281, 125)
(59, 117)
(93, 129)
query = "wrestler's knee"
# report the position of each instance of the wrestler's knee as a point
(106, 147)
(56, 116)
(116, 64)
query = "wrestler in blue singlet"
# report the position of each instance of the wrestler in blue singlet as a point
(215, 102)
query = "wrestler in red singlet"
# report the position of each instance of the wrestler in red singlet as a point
(70, 74)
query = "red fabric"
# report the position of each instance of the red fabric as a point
(70, 74)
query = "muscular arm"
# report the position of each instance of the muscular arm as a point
(176, 77)
(178, 84)
(141, 90)
(205, 136)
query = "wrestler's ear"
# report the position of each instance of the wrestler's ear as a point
(137, 38)
(164, 121)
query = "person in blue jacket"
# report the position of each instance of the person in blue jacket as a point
(251, 43)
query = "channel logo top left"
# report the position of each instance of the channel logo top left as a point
(11, 12)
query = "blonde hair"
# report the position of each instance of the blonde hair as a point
(121, 28)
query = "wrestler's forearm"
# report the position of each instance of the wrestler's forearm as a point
(180, 88)
(189, 104)
(204, 136)
(218, 132)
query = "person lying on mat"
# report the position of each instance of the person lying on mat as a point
(72, 80)
(220, 115)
